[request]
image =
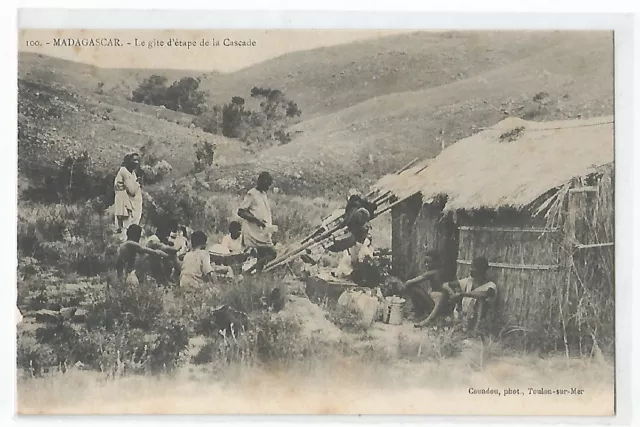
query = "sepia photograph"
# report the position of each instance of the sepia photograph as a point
(316, 221)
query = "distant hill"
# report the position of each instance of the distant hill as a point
(368, 107)
(359, 143)
(60, 112)
(328, 79)
(83, 78)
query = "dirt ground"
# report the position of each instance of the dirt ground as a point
(405, 371)
(336, 388)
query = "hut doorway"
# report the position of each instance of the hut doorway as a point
(418, 228)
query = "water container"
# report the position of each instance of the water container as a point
(393, 311)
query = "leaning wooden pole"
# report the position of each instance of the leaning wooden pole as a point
(290, 256)
(378, 199)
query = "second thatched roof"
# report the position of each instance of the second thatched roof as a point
(511, 164)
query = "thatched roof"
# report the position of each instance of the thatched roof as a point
(510, 164)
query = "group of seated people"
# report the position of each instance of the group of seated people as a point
(172, 255)
(471, 300)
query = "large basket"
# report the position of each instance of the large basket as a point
(320, 287)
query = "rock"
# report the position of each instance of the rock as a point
(48, 316)
(80, 315)
(68, 312)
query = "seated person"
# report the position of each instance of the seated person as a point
(127, 255)
(180, 241)
(475, 295)
(233, 240)
(352, 256)
(196, 267)
(161, 269)
(428, 295)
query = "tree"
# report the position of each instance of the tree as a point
(232, 114)
(152, 91)
(183, 95)
(293, 110)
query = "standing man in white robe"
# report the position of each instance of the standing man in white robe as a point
(257, 226)
(128, 194)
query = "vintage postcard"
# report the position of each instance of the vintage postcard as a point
(316, 222)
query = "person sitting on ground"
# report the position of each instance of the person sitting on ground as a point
(257, 226)
(127, 255)
(428, 295)
(196, 267)
(180, 241)
(161, 268)
(475, 295)
(233, 240)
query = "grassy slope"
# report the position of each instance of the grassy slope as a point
(373, 104)
(328, 79)
(107, 125)
(381, 134)
(83, 78)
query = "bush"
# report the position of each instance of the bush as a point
(210, 121)
(75, 181)
(156, 172)
(183, 95)
(33, 357)
(256, 128)
(128, 330)
(152, 91)
(180, 200)
(204, 155)
(271, 340)
(346, 318)
(139, 306)
(72, 238)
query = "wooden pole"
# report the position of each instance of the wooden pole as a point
(379, 198)
(288, 257)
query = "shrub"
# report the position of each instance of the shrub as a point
(75, 181)
(346, 318)
(210, 121)
(232, 119)
(156, 172)
(204, 155)
(33, 357)
(73, 238)
(177, 200)
(140, 306)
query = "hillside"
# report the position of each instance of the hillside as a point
(328, 79)
(368, 107)
(572, 79)
(117, 83)
(55, 121)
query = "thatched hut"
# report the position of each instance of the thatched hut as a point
(536, 199)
